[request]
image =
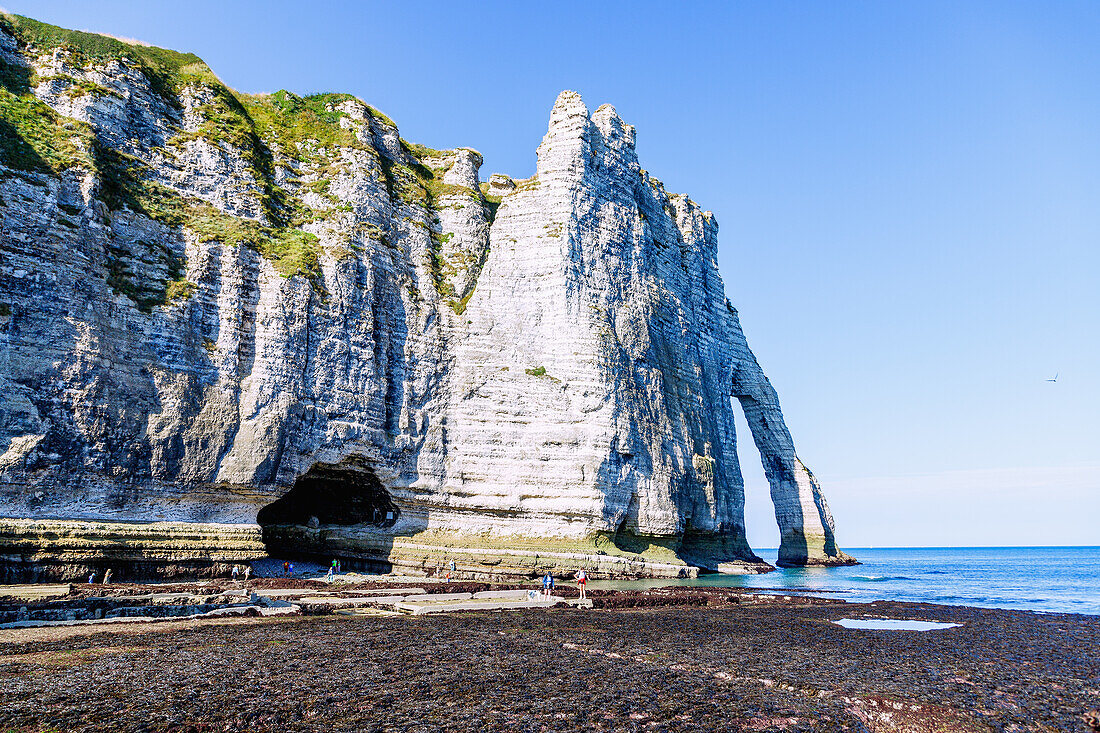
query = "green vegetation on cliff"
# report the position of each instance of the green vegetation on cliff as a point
(167, 71)
(34, 138)
(291, 146)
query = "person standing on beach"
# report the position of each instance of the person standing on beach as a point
(450, 570)
(582, 581)
(338, 570)
(547, 585)
(236, 571)
(286, 568)
(290, 568)
(331, 570)
(247, 572)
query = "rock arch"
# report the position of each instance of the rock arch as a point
(806, 529)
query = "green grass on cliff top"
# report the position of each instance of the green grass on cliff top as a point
(265, 129)
(166, 70)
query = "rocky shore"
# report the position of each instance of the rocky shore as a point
(683, 659)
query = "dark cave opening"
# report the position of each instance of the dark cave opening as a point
(344, 494)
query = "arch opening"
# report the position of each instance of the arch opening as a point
(761, 528)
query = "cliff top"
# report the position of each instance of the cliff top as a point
(54, 81)
(291, 145)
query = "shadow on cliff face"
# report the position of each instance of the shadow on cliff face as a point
(344, 495)
(782, 483)
(15, 150)
(705, 549)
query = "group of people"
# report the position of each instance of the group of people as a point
(236, 572)
(106, 577)
(333, 570)
(581, 576)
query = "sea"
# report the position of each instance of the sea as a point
(1044, 579)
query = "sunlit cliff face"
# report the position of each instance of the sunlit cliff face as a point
(224, 309)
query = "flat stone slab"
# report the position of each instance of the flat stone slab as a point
(390, 600)
(361, 601)
(440, 597)
(504, 594)
(738, 568)
(387, 591)
(228, 612)
(419, 608)
(893, 624)
(34, 592)
(289, 592)
(322, 592)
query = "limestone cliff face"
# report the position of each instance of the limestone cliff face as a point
(220, 309)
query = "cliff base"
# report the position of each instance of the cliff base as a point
(47, 550)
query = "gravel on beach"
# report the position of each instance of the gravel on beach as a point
(772, 667)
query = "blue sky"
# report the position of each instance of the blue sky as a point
(908, 194)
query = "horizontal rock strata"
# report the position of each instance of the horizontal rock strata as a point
(233, 324)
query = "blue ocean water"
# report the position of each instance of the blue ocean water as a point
(1053, 579)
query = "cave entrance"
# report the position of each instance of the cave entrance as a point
(343, 494)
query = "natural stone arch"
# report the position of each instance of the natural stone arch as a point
(806, 530)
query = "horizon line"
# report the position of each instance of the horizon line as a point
(960, 547)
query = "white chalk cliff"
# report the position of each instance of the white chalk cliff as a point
(221, 312)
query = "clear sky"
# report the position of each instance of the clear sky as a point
(908, 194)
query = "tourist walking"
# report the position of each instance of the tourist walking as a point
(91, 579)
(450, 570)
(338, 570)
(286, 568)
(331, 570)
(235, 572)
(107, 576)
(547, 585)
(582, 581)
(247, 572)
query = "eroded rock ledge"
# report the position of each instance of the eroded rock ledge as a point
(233, 324)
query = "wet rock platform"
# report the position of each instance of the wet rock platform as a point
(30, 606)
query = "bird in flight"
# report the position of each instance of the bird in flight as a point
(1053, 380)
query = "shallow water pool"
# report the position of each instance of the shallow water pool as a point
(893, 624)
